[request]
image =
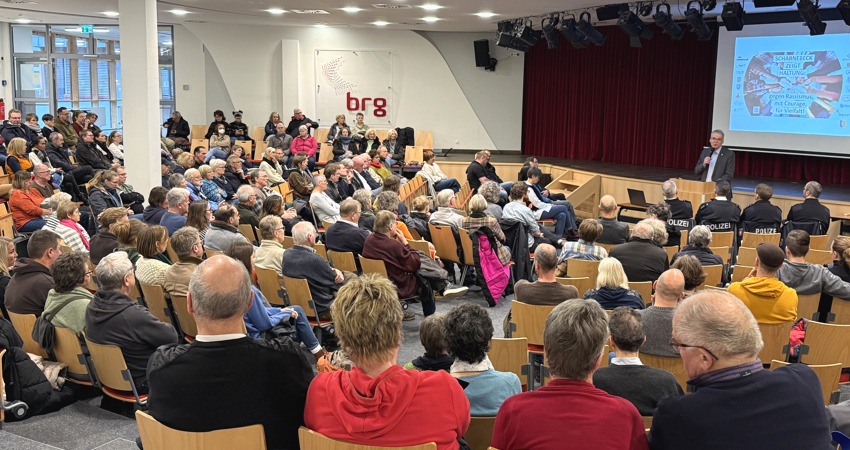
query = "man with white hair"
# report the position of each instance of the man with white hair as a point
(641, 258)
(301, 261)
(298, 119)
(325, 208)
(112, 317)
(360, 177)
(699, 240)
(178, 206)
(811, 210)
(261, 375)
(269, 254)
(737, 404)
(679, 209)
(247, 197)
(446, 213)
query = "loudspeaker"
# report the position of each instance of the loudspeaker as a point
(482, 52)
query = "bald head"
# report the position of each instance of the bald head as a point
(219, 290)
(546, 258)
(669, 288)
(607, 207)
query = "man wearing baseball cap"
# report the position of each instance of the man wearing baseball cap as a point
(769, 299)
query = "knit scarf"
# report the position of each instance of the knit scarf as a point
(76, 227)
(464, 366)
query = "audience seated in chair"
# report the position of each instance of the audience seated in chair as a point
(811, 210)
(583, 248)
(642, 258)
(269, 254)
(693, 272)
(612, 287)
(575, 334)
(661, 211)
(517, 210)
(345, 235)
(154, 263)
(66, 303)
(302, 261)
(769, 300)
(761, 215)
(719, 214)
(186, 243)
(394, 407)
(699, 241)
(613, 231)
(224, 230)
(625, 376)
(491, 192)
(432, 336)
(31, 278)
(807, 278)
(178, 206)
(562, 211)
(679, 209)
(325, 208)
(719, 341)
(195, 387)
(657, 320)
(841, 257)
(157, 205)
(105, 241)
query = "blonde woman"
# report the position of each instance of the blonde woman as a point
(8, 257)
(612, 287)
(271, 165)
(25, 204)
(17, 159)
(69, 228)
(211, 190)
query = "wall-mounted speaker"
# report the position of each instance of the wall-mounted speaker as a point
(482, 55)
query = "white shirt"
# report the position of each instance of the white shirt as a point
(218, 337)
(624, 361)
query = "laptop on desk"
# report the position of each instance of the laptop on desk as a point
(636, 197)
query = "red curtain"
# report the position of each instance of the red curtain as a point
(650, 106)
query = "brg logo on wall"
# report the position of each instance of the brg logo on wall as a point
(350, 82)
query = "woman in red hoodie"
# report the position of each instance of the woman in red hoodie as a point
(379, 402)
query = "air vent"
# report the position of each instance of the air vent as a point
(309, 11)
(412, 24)
(388, 6)
(19, 2)
(195, 21)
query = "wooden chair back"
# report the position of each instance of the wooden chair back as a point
(247, 149)
(826, 344)
(23, 324)
(373, 266)
(683, 241)
(156, 436)
(753, 240)
(288, 242)
(582, 284)
(345, 261)
(172, 255)
(185, 320)
(746, 256)
(249, 232)
(67, 350)
(722, 238)
(644, 288)
(671, 250)
(724, 251)
(311, 440)
(270, 286)
(200, 142)
(581, 268)
(480, 432)
(135, 293)
(425, 139)
(2, 388)
(110, 366)
(647, 422)
(381, 134)
(509, 355)
(198, 132)
(841, 310)
(828, 374)
(321, 250)
(527, 321)
(155, 299)
(670, 364)
(326, 153)
(321, 134)
(740, 272)
(713, 275)
(419, 244)
(210, 252)
(775, 336)
(819, 257)
(444, 242)
(466, 243)
(607, 247)
(413, 153)
(807, 305)
(299, 294)
(819, 242)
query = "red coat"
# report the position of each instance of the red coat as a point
(301, 145)
(401, 261)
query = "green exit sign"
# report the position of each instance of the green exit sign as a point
(87, 29)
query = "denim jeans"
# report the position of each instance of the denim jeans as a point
(448, 183)
(215, 153)
(303, 329)
(33, 225)
(559, 213)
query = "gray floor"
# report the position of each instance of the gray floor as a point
(84, 426)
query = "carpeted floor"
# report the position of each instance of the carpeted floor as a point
(84, 426)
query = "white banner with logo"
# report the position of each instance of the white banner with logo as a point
(352, 81)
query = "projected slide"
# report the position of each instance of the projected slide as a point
(792, 84)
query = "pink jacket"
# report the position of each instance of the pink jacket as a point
(301, 145)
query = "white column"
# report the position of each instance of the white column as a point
(140, 85)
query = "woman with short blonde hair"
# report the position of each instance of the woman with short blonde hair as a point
(612, 287)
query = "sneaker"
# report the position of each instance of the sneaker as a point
(474, 288)
(452, 292)
(408, 316)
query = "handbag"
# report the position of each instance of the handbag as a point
(43, 333)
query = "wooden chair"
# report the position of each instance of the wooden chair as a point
(185, 321)
(326, 153)
(819, 242)
(828, 374)
(740, 272)
(157, 304)
(112, 373)
(68, 350)
(607, 247)
(671, 250)
(269, 281)
(670, 364)
(345, 261)
(724, 251)
(288, 242)
(581, 268)
(840, 311)
(683, 241)
(713, 275)
(205, 143)
(298, 291)
(381, 134)
(373, 266)
(321, 250)
(480, 432)
(421, 245)
(753, 240)
(2, 389)
(746, 256)
(198, 132)
(172, 255)
(509, 355)
(311, 440)
(321, 134)
(775, 337)
(826, 344)
(249, 232)
(807, 305)
(645, 290)
(210, 252)
(582, 284)
(722, 238)
(528, 321)
(446, 246)
(819, 257)
(156, 436)
(647, 422)
(23, 324)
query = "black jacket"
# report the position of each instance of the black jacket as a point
(680, 209)
(24, 381)
(177, 129)
(718, 213)
(59, 157)
(234, 179)
(724, 166)
(301, 262)
(344, 237)
(338, 147)
(642, 260)
(90, 155)
(9, 132)
(114, 318)
(396, 149)
(100, 200)
(294, 124)
(613, 231)
(810, 210)
(365, 147)
(761, 215)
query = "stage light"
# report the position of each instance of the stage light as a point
(550, 32)
(733, 16)
(528, 35)
(843, 7)
(697, 22)
(589, 31)
(571, 32)
(809, 13)
(645, 9)
(507, 37)
(666, 22)
(631, 24)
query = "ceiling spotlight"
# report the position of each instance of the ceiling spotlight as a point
(843, 7)
(23, 21)
(589, 31)
(431, 7)
(697, 22)
(571, 32)
(320, 25)
(507, 36)
(351, 9)
(528, 35)
(179, 12)
(430, 19)
(645, 8)
(486, 14)
(635, 28)
(708, 5)
(666, 22)
(380, 23)
(733, 16)
(550, 32)
(809, 13)
(275, 11)
(110, 13)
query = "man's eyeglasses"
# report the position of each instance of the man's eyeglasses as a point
(676, 346)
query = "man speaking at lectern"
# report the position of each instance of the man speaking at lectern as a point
(716, 162)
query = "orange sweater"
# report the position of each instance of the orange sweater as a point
(24, 206)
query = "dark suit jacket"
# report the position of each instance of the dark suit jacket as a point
(89, 155)
(344, 237)
(724, 167)
(301, 262)
(642, 260)
(810, 211)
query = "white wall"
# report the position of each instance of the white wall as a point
(189, 52)
(434, 85)
(6, 66)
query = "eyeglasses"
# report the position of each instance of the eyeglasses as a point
(676, 346)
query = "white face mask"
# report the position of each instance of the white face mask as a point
(220, 131)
